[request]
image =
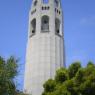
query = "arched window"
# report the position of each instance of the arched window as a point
(45, 23)
(57, 26)
(33, 27)
(45, 1)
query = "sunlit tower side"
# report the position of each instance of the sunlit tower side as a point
(45, 47)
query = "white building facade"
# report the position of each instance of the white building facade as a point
(45, 47)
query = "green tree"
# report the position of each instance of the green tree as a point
(76, 80)
(61, 75)
(49, 86)
(73, 68)
(87, 86)
(8, 71)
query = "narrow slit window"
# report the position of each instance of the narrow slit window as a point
(57, 26)
(35, 2)
(33, 27)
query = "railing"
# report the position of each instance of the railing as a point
(45, 28)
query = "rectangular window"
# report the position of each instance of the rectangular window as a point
(45, 1)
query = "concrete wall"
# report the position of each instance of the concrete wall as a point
(45, 50)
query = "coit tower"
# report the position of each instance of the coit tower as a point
(45, 47)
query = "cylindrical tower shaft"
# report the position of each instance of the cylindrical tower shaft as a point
(45, 47)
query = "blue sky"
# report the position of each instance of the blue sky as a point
(79, 31)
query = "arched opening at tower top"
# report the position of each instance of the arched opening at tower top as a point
(33, 27)
(57, 26)
(45, 1)
(45, 23)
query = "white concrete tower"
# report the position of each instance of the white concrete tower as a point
(45, 48)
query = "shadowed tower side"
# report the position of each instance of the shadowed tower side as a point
(45, 47)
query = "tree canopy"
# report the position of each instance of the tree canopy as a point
(75, 80)
(8, 71)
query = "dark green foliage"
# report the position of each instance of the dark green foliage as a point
(11, 67)
(61, 75)
(90, 64)
(49, 86)
(8, 71)
(75, 80)
(73, 69)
